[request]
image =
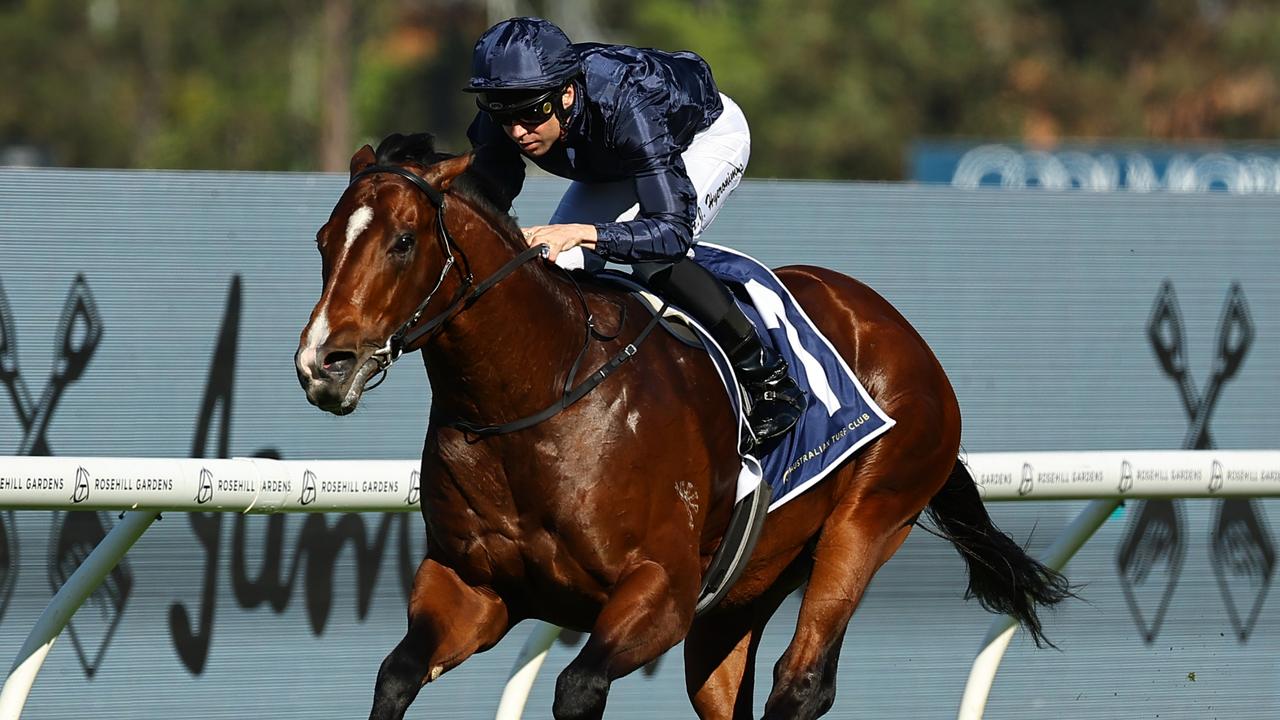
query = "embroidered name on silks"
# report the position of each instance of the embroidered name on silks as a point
(815, 452)
(713, 198)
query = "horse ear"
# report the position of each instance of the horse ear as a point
(443, 173)
(363, 158)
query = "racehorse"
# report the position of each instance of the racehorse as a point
(601, 515)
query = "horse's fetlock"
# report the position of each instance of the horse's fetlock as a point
(399, 680)
(580, 694)
(805, 694)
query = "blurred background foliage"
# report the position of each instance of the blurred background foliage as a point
(832, 89)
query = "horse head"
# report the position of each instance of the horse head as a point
(388, 262)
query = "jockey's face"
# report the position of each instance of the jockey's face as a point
(537, 140)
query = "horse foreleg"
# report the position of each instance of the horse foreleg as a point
(856, 540)
(641, 620)
(449, 621)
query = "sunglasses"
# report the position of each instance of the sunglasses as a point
(524, 111)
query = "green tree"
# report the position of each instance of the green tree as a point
(832, 88)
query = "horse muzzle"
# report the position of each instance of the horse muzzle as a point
(334, 380)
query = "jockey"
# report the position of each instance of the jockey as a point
(653, 150)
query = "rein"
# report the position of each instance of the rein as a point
(407, 334)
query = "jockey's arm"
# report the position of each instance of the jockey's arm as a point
(668, 202)
(497, 161)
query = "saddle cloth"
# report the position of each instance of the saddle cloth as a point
(841, 417)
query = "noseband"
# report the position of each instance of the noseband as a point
(407, 333)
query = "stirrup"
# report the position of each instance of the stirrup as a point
(776, 409)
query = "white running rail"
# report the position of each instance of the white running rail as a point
(147, 486)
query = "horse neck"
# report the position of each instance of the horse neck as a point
(506, 355)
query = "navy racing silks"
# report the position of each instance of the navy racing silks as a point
(634, 113)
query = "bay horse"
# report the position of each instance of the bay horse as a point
(601, 515)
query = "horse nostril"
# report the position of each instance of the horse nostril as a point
(338, 363)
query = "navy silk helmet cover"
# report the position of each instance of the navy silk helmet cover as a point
(523, 53)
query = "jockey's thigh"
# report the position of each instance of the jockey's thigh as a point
(714, 161)
(689, 285)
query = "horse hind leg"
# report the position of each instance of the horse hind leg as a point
(720, 651)
(449, 621)
(719, 664)
(643, 618)
(859, 537)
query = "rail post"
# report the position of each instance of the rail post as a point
(983, 673)
(73, 593)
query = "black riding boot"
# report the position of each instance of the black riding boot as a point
(776, 402)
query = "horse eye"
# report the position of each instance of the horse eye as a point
(403, 243)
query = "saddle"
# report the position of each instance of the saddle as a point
(840, 419)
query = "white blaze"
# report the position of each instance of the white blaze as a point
(356, 224)
(319, 330)
(316, 334)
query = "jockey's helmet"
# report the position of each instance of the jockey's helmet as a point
(519, 66)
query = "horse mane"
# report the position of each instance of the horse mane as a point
(473, 185)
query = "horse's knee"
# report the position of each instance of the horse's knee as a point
(645, 616)
(449, 621)
(581, 693)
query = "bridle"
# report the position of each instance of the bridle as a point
(407, 334)
(410, 332)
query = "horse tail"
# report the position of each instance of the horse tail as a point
(1002, 576)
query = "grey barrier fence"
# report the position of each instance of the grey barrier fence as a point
(1067, 321)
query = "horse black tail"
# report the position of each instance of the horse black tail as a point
(1001, 575)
